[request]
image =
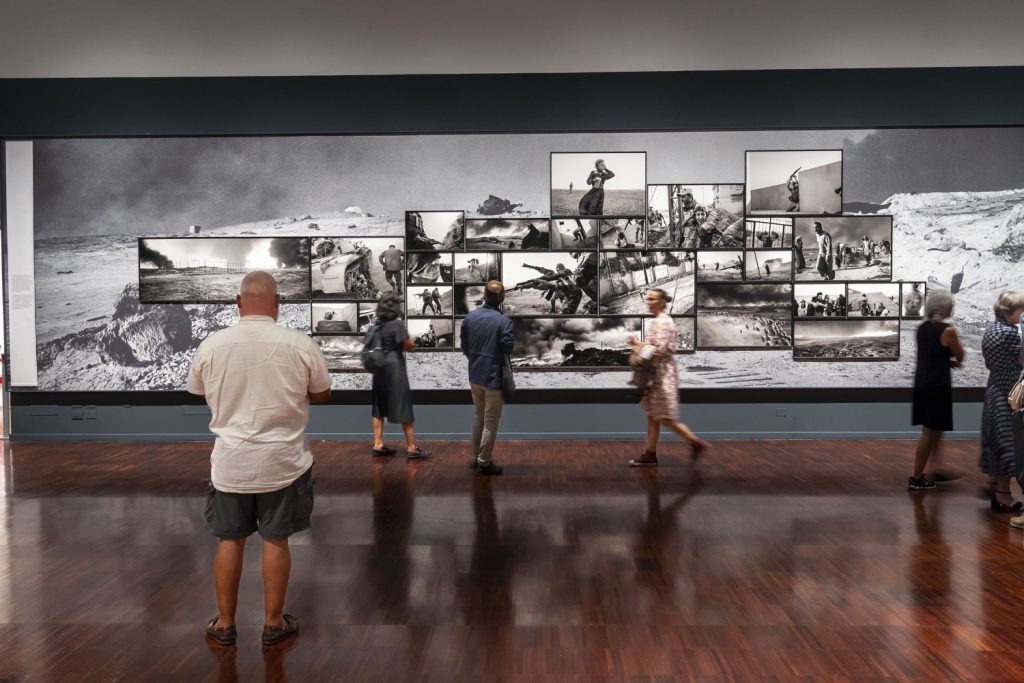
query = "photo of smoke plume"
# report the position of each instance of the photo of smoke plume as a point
(844, 248)
(429, 301)
(819, 300)
(763, 265)
(623, 233)
(625, 278)
(435, 230)
(209, 270)
(691, 216)
(367, 316)
(598, 184)
(846, 340)
(769, 232)
(334, 318)
(686, 334)
(350, 268)
(477, 267)
(342, 352)
(551, 283)
(873, 300)
(744, 316)
(507, 234)
(428, 268)
(720, 266)
(912, 297)
(468, 298)
(574, 343)
(432, 334)
(575, 233)
(805, 181)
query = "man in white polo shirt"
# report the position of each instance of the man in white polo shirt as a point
(259, 379)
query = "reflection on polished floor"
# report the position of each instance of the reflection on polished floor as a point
(767, 560)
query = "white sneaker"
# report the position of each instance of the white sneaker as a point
(1017, 522)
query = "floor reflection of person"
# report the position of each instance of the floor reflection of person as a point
(592, 203)
(661, 398)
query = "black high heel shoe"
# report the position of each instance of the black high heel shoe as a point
(1003, 508)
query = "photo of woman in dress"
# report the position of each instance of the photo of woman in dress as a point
(592, 203)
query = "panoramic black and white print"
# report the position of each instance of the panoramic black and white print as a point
(764, 265)
(847, 340)
(598, 184)
(742, 316)
(500, 234)
(623, 233)
(350, 269)
(429, 301)
(769, 232)
(819, 300)
(432, 334)
(912, 298)
(720, 266)
(335, 318)
(691, 216)
(954, 225)
(553, 283)
(844, 248)
(435, 230)
(210, 269)
(873, 300)
(625, 278)
(794, 181)
(552, 343)
(342, 352)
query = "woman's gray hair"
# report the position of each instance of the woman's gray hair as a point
(938, 305)
(1007, 303)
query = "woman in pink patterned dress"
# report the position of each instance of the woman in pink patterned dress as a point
(661, 399)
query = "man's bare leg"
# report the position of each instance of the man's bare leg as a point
(276, 567)
(227, 572)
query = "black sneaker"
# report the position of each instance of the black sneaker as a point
(489, 470)
(920, 484)
(417, 454)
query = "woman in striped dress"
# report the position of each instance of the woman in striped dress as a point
(661, 398)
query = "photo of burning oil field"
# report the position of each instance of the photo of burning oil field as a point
(846, 340)
(507, 234)
(342, 352)
(209, 270)
(744, 316)
(625, 278)
(576, 343)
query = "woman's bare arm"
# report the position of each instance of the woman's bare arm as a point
(952, 341)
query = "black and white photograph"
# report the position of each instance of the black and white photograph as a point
(457, 334)
(808, 181)
(468, 298)
(844, 248)
(552, 283)
(623, 233)
(432, 334)
(695, 216)
(334, 318)
(819, 300)
(343, 353)
(744, 316)
(846, 340)
(507, 234)
(686, 334)
(873, 300)
(769, 232)
(599, 184)
(575, 233)
(210, 269)
(912, 296)
(351, 269)
(430, 268)
(720, 266)
(768, 265)
(627, 276)
(435, 301)
(477, 267)
(435, 230)
(573, 343)
(367, 317)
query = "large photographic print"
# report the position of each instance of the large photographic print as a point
(744, 316)
(575, 233)
(335, 318)
(429, 301)
(432, 334)
(477, 268)
(720, 266)
(844, 248)
(846, 340)
(769, 232)
(626, 277)
(797, 181)
(553, 283)
(774, 265)
(600, 184)
(695, 216)
(873, 300)
(430, 268)
(573, 343)
(511, 234)
(342, 352)
(819, 300)
(354, 269)
(468, 298)
(435, 230)
(912, 297)
(209, 270)
(622, 233)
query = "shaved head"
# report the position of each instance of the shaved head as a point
(257, 295)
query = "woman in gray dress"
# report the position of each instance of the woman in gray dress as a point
(391, 396)
(1001, 347)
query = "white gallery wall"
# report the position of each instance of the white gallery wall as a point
(69, 38)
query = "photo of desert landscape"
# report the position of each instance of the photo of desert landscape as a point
(846, 340)
(342, 352)
(720, 266)
(873, 300)
(598, 184)
(573, 343)
(744, 316)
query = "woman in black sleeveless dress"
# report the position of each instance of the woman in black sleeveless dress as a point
(938, 351)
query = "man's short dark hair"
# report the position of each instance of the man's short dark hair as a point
(391, 246)
(494, 293)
